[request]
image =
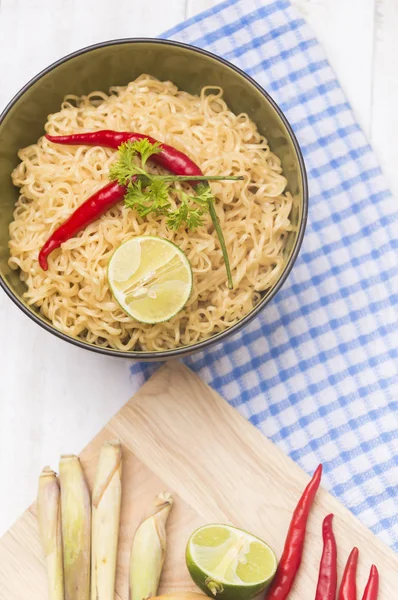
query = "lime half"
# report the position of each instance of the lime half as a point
(151, 278)
(229, 562)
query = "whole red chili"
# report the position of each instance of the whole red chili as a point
(293, 549)
(86, 213)
(170, 158)
(372, 587)
(348, 586)
(327, 579)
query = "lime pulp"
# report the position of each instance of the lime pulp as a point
(151, 278)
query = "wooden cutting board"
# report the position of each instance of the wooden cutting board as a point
(178, 434)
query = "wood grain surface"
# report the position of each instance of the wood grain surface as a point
(178, 434)
(55, 396)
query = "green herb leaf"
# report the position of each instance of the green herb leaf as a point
(146, 149)
(185, 214)
(203, 194)
(123, 169)
(148, 199)
(159, 192)
(126, 165)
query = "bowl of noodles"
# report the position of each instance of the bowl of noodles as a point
(179, 97)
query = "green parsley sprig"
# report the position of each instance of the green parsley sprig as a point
(147, 197)
(148, 193)
(127, 165)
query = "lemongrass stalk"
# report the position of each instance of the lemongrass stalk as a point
(49, 517)
(149, 549)
(105, 521)
(76, 528)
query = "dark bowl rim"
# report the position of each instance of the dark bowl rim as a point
(219, 337)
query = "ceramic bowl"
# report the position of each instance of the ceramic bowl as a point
(117, 62)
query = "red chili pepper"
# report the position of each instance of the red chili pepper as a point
(170, 158)
(372, 587)
(86, 213)
(327, 580)
(293, 550)
(348, 586)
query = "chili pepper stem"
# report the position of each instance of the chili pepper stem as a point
(217, 227)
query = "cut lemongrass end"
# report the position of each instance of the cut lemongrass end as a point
(76, 528)
(49, 517)
(105, 521)
(149, 549)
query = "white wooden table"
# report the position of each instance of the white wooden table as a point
(55, 397)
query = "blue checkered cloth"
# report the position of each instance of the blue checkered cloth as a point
(317, 370)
